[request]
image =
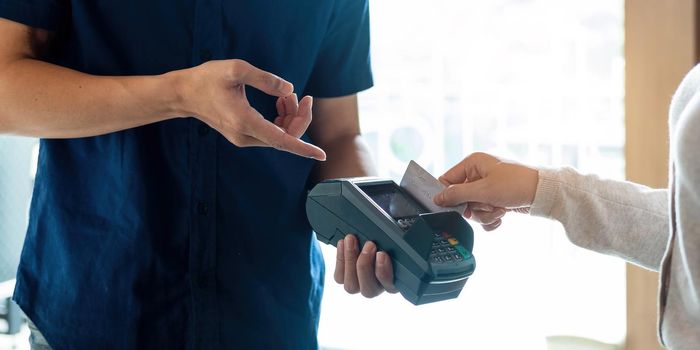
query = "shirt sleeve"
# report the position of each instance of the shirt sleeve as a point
(617, 218)
(343, 64)
(45, 14)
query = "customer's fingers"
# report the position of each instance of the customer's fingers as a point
(492, 226)
(454, 175)
(488, 217)
(461, 193)
(467, 213)
(467, 170)
(481, 206)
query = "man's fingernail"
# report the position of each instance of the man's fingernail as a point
(368, 248)
(340, 244)
(381, 258)
(287, 86)
(321, 158)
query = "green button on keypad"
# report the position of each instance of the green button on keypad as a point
(465, 253)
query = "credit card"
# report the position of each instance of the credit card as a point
(423, 187)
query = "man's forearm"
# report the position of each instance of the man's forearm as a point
(40, 99)
(348, 156)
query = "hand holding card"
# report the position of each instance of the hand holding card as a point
(423, 187)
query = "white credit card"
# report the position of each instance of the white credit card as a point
(423, 187)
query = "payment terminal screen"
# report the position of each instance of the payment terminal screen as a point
(394, 202)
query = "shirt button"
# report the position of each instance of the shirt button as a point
(203, 130)
(205, 55)
(202, 208)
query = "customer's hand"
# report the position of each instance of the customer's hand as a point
(366, 271)
(491, 186)
(214, 92)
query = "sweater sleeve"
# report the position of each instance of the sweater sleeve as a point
(617, 218)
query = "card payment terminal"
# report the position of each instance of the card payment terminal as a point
(431, 252)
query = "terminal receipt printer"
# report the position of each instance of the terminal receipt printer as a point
(431, 251)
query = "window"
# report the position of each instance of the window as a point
(17, 169)
(539, 81)
(16, 183)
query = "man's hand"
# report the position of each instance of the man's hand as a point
(44, 100)
(491, 186)
(368, 271)
(214, 92)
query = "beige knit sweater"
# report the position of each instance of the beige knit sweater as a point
(657, 229)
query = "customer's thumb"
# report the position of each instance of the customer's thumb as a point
(460, 193)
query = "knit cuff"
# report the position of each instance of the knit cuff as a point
(547, 193)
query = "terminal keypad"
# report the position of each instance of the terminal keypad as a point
(446, 249)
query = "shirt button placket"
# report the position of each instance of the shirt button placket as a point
(207, 41)
(202, 208)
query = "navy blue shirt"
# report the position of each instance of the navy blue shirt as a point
(167, 236)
